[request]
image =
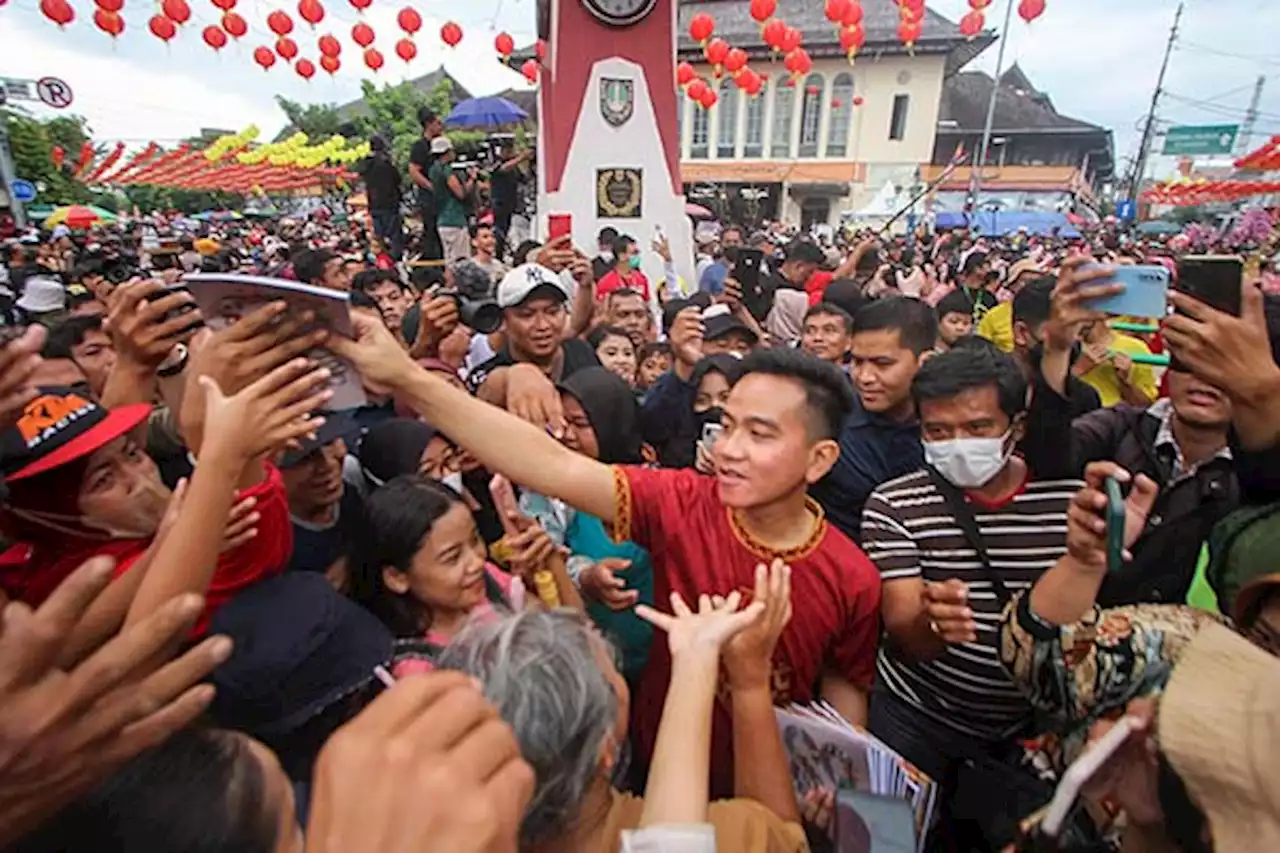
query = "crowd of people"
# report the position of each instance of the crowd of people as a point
(545, 589)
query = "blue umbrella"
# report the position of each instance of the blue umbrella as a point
(485, 112)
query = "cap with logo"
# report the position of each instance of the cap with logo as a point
(519, 285)
(59, 427)
(718, 321)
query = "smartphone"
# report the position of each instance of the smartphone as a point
(197, 322)
(1213, 279)
(746, 271)
(1145, 291)
(710, 432)
(558, 225)
(1081, 771)
(1115, 525)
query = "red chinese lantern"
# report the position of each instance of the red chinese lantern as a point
(836, 103)
(798, 62)
(58, 11)
(109, 22)
(979, 5)
(176, 10)
(716, 50)
(541, 50)
(362, 34)
(373, 58)
(697, 88)
(214, 37)
(225, 5)
(409, 20)
(406, 49)
(280, 23)
(530, 70)
(331, 64)
(908, 32)
(1029, 10)
(109, 5)
(312, 12)
(773, 34)
(836, 10)
(852, 39)
(234, 24)
(685, 73)
(361, 5)
(328, 45)
(791, 39)
(58, 155)
(287, 48)
(735, 60)
(750, 82)
(162, 27)
(853, 15)
(451, 34)
(504, 44)
(972, 23)
(701, 27)
(762, 10)
(708, 98)
(857, 100)
(264, 57)
(306, 68)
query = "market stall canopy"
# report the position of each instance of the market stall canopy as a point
(1007, 222)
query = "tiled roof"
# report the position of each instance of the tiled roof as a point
(1019, 105)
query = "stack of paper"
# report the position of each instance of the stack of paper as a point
(827, 751)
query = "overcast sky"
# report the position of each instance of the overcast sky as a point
(1098, 59)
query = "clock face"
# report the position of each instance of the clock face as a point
(620, 13)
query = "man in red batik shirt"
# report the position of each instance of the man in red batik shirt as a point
(706, 534)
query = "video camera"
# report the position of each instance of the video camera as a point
(472, 291)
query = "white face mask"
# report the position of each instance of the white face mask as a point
(453, 480)
(969, 463)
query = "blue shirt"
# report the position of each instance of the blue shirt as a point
(873, 449)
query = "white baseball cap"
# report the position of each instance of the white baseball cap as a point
(441, 145)
(520, 283)
(41, 295)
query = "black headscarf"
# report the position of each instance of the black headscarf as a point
(610, 405)
(394, 447)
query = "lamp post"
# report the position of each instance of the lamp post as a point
(975, 183)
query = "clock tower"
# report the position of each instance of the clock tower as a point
(609, 140)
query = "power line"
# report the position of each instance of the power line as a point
(1220, 109)
(1192, 47)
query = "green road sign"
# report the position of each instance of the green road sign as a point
(1206, 139)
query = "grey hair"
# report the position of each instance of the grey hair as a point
(541, 672)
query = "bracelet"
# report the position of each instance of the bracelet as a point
(576, 565)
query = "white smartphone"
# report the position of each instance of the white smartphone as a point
(1082, 770)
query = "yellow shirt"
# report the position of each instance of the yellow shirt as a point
(997, 326)
(1105, 381)
(742, 826)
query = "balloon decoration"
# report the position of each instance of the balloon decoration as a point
(409, 20)
(530, 70)
(1029, 10)
(406, 49)
(234, 24)
(701, 27)
(162, 27)
(225, 5)
(265, 57)
(373, 59)
(58, 156)
(329, 46)
(311, 11)
(685, 74)
(58, 11)
(287, 48)
(109, 5)
(176, 10)
(972, 24)
(451, 34)
(280, 23)
(330, 64)
(214, 37)
(306, 68)
(504, 45)
(362, 34)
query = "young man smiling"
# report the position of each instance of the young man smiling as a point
(706, 533)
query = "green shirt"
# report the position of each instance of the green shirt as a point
(451, 212)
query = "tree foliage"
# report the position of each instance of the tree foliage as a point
(318, 121)
(32, 141)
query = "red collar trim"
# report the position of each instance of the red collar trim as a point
(987, 503)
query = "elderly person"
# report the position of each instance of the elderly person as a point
(552, 678)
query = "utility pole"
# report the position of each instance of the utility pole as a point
(1148, 131)
(975, 181)
(1244, 143)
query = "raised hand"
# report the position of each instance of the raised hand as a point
(704, 631)
(1069, 309)
(1086, 518)
(267, 414)
(377, 355)
(146, 320)
(19, 359)
(532, 397)
(686, 337)
(600, 582)
(748, 657)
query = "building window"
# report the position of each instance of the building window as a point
(754, 144)
(841, 110)
(784, 104)
(898, 122)
(811, 116)
(680, 102)
(727, 133)
(700, 134)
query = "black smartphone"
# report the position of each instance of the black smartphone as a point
(1115, 525)
(1213, 279)
(196, 323)
(746, 270)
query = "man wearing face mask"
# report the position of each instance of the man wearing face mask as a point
(956, 540)
(626, 270)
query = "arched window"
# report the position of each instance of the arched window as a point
(753, 146)
(784, 104)
(727, 132)
(841, 111)
(700, 133)
(811, 115)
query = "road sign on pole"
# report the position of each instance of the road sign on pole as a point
(23, 191)
(1205, 139)
(54, 92)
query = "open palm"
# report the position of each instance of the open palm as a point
(708, 629)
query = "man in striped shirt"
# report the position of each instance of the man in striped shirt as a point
(942, 698)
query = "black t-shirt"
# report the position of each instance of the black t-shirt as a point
(382, 183)
(577, 355)
(316, 549)
(503, 185)
(420, 155)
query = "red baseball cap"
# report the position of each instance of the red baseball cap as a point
(61, 426)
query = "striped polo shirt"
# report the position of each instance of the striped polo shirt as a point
(908, 531)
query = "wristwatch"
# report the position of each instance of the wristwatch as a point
(174, 363)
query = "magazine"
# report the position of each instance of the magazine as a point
(226, 297)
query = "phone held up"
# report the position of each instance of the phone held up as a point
(1115, 525)
(558, 225)
(1213, 280)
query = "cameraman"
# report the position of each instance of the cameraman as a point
(454, 194)
(504, 190)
